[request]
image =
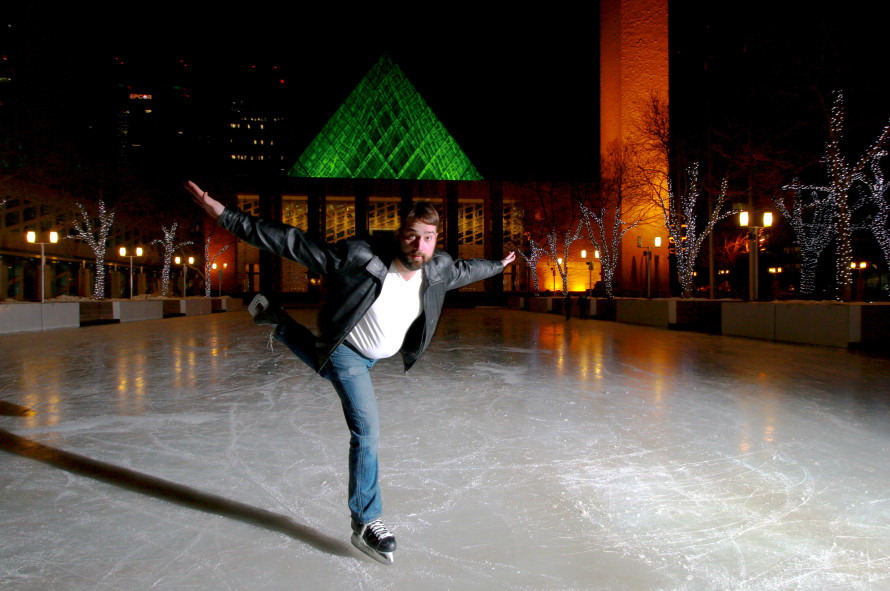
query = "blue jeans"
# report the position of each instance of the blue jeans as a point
(347, 370)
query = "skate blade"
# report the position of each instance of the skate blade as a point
(258, 304)
(381, 557)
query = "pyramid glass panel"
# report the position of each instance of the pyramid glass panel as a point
(385, 130)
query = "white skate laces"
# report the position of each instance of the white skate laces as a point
(379, 531)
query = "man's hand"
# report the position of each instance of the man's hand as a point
(213, 207)
(511, 256)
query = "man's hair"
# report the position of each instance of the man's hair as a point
(422, 211)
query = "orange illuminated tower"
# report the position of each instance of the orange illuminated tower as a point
(634, 58)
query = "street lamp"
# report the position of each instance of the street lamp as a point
(648, 257)
(596, 255)
(754, 249)
(123, 252)
(191, 261)
(31, 237)
(860, 269)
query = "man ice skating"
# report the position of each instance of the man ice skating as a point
(382, 299)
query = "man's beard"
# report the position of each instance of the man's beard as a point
(411, 263)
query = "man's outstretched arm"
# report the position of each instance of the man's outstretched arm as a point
(213, 207)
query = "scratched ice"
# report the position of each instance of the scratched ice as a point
(523, 452)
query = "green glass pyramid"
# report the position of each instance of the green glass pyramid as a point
(385, 130)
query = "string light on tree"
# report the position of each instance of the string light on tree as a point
(812, 219)
(535, 254)
(606, 240)
(170, 246)
(842, 177)
(209, 264)
(562, 262)
(680, 220)
(96, 240)
(877, 195)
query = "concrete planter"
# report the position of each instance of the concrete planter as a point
(831, 324)
(133, 310)
(226, 304)
(34, 316)
(602, 308)
(109, 311)
(518, 302)
(756, 320)
(597, 308)
(698, 315)
(97, 312)
(187, 307)
(695, 314)
(658, 312)
(541, 304)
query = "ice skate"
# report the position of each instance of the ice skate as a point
(374, 540)
(265, 313)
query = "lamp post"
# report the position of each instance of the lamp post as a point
(754, 250)
(123, 252)
(219, 271)
(589, 271)
(648, 256)
(596, 255)
(32, 238)
(859, 283)
(191, 261)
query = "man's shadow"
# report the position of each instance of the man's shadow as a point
(167, 491)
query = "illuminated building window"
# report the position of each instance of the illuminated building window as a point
(383, 214)
(471, 224)
(340, 221)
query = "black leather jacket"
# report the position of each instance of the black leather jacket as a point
(354, 271)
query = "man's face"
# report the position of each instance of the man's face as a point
(416, 245)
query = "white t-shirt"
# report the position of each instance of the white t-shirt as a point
(381, 331)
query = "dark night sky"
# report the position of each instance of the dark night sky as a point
(518, 91)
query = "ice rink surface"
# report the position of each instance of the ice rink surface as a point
(522, 452)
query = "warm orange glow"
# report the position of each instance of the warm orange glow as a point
(634, 68)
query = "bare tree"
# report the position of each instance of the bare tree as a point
(208, 263)
(96, 239)
(170, 246)
(877, 194)
(812, 219)
(842, 176)
(682, 224)
(568, 238)
(621, 192)
(606, 235)
(679, 212)
(535, 253)
(550, 209)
